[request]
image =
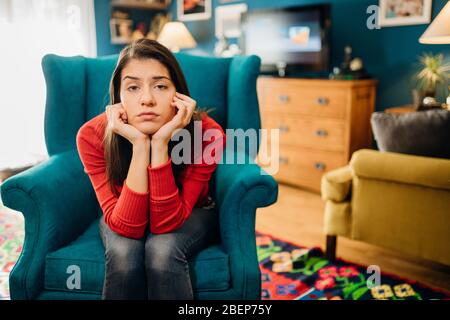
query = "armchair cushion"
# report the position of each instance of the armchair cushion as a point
(423, 133)
(210, 268)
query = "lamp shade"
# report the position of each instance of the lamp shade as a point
(438, 32)
(176, 36)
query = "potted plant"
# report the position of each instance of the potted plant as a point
(432, 75)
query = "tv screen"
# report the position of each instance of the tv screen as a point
(295, 37)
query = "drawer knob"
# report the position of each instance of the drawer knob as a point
(283, 128)
(283, 160)
(283, 98)
(323, 101)
(319, 166)
(321, 133)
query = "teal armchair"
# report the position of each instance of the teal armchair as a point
(60, 207)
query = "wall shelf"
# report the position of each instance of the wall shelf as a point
(134, 4)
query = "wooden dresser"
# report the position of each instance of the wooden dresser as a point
(321, 122)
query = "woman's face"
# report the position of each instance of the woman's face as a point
(146, 93)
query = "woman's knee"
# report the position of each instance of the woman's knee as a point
(164, 252)
(124, 255)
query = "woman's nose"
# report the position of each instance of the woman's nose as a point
(147, 97)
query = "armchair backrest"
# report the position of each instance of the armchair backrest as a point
(77, 91)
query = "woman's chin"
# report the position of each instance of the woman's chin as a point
(147, 127)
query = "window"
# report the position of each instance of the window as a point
(29, 29)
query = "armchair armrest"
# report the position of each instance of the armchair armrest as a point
(336, 184)
(402, 168)
(240, 190)
(58, 203)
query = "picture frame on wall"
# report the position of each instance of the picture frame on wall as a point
(121, 30)
(228, 20)
(404, 12)
(191, 10)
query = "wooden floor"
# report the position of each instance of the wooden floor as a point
(298, 217)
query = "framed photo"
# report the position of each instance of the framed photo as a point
(404, 12)
(190, 10)
(121, 30)
(228, 20)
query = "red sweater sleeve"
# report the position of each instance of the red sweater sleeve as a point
(169, 207)
(126, 214)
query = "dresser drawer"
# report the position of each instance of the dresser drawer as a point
(304, 167)
(288, 97)
(324, 134)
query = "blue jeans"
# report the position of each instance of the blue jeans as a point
(156, 266)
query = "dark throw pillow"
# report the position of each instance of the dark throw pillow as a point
(424, 133)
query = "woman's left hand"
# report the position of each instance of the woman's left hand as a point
(186, 106)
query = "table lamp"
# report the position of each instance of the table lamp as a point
(438, 32)
(176, 36)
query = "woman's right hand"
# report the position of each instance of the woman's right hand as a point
(118, 123)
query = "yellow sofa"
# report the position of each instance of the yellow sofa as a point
(393, 200)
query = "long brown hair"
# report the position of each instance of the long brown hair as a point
(118, 150)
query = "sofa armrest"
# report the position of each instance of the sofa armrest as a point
(240, 190)
(401, 168)
(58, 203)
(336, 184)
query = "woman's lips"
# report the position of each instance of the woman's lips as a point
(148, 116)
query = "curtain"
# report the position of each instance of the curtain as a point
(29, 29)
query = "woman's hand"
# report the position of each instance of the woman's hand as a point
(186, 106)
(118, 123)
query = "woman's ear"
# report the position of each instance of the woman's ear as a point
(174, 111)
(173, 108)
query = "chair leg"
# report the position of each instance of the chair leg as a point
(330, 252)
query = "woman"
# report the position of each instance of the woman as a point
(156, 215)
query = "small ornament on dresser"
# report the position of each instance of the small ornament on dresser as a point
(351, 68)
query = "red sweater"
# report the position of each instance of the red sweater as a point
(163, 206)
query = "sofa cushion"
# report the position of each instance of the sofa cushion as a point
(425, 133)
(210, 268)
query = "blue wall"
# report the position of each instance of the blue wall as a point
(390, 54)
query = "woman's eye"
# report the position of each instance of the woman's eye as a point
(161, 86)
(132, 88)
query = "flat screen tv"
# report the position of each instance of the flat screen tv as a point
(288, 40)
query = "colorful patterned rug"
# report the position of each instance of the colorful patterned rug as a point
(292, 272)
